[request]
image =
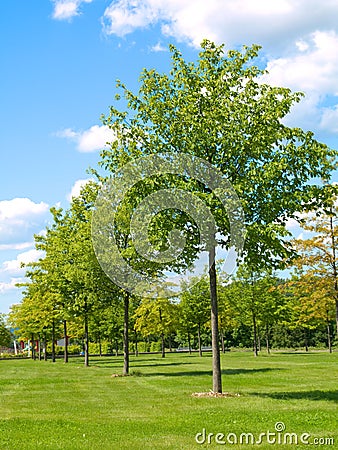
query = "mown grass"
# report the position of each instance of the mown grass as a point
(67, 406)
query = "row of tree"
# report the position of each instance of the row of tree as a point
(292, 313)
(219, 111)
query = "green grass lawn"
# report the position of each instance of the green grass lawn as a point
(67, 406)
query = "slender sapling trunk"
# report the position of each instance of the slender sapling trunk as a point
(65, 337)
(126, 335)
(216, 359)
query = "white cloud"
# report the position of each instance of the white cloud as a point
(93, 139)
(329, 120)
(301, 35)
(76, 188)
(302, 45)
(67, 133)
(18, 208)
(265, 22)
(14, 266)
(67, 9)
(125, 16)
(291, 224)
(19, 218)
(16, 246)
(158, 48)
(9, 286)
(313, 67)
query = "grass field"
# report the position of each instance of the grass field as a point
(67, 406)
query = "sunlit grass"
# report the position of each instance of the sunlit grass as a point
(67, 406)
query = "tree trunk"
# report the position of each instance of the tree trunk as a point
(162, 346)
(306, 341)
(334, 267)
(45, 347)
(189, 343)
(65, 337)
(86, 343)
(86, 339)
(100, 345)
(53, 341)
(216, 359)
(170, 346)
(254, 323)
(258, 340)
(136, 344)
(267, 331)
(329, 343)
(126, 335)
(337, 313)
(222, 341)
(39, 347)
(255, 347)
(33, 348)
(199, 339)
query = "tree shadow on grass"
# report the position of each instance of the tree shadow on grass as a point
(248, 371)
(158, 364)
(113, 359)
(301, 395)
(301, 352)
(197, 373)
(134, 364)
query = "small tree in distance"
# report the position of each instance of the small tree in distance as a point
(195, 308)
(156, 318)
(5, 334)
(317, 260)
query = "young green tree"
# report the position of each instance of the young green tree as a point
(254, 299)
(156, 318)
(217, 109)
(37, 316)
(228, 317)
(5, 334)
(245, 300)
(311, 304)
(195, 307)
(69, 279)
(318, 254)
(89, 287)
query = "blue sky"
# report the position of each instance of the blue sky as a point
(60, 60)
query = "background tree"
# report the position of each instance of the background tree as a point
(311, 304)
(5, 334)
(228, 317)
(195, 308)
(89, 286)
(318, 253)
(156, 317)
(246, 301)
(271, 305)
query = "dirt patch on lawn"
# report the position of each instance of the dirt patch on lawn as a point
(214, 394)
